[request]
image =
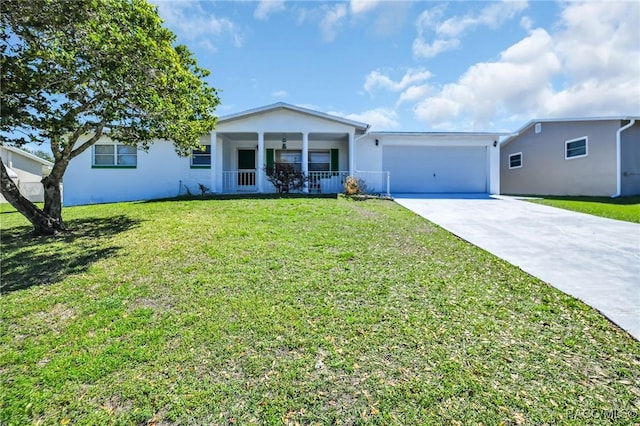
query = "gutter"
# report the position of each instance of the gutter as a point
(619, 158)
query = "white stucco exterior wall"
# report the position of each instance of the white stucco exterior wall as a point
(159, 173)
(368, 156)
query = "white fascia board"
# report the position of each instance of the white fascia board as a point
(283, 105)
(436, 139)
(442, 134)
(28, 155)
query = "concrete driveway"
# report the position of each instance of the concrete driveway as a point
(594, 259)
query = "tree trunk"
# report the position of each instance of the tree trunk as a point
(52, 197)
(43, 224)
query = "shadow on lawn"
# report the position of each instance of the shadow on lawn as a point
(29, 260)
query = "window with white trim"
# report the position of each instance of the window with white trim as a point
(114, 155)
(201, 158)
(289, 160)
(320, 161)
(576, 148)
(515, 160)
(538, 127)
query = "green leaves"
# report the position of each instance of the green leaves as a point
(83, 67)
(108, 63)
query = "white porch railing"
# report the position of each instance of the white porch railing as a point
(327, 182)
(376, 182)
(319, 182)
(239, 181)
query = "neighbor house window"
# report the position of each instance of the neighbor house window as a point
(115, 155)
(201, 158)
(538, 127)
(575, 148)
(515, 160)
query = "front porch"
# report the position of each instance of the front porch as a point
(279, 137)
(322, 182)
(240, 161)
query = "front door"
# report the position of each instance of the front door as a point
(246, 167)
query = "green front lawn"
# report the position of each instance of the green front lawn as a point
(623, 208)
(287, 311)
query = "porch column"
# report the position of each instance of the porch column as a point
(305, 159)
(214, 169)
(218, 166)
(261, 165)
(352, 156)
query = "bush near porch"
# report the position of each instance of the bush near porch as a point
(292, 310)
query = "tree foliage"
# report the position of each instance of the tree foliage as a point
(39, 153)
(75, 70)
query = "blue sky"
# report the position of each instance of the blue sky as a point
(419, 66)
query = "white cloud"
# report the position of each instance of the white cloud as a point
(383, 18)
(414, 93)
(601, 39)
(429, 18)
(280, 94)
(599, 48)
(378, 79)
(448, 32)
(191, 22)
(589, 66)
(267, 7)
(422, 49)
(332, 21)
(519, 81)
(378, 118)
(526, 23)
(362, 6)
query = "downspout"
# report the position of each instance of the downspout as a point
(619, 158)
(355, 140)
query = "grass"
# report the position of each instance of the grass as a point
(623, 208)
(292, 311)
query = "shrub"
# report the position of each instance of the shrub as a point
(354, 186)
(203, 189)
(285, 178)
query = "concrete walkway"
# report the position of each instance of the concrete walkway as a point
(594, 259)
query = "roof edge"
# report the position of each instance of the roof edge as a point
(284, 105)
(28, 155)
(530, 123)
(392, 133)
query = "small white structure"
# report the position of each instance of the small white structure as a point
(26, 170)
(327, 148)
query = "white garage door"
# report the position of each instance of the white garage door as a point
(436, 169)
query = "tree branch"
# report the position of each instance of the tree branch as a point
(79, 150)
(83, 107)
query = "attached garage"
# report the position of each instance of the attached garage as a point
(436, 169)
(435, 162)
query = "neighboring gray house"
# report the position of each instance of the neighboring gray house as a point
(580, 156)
(26, 170)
